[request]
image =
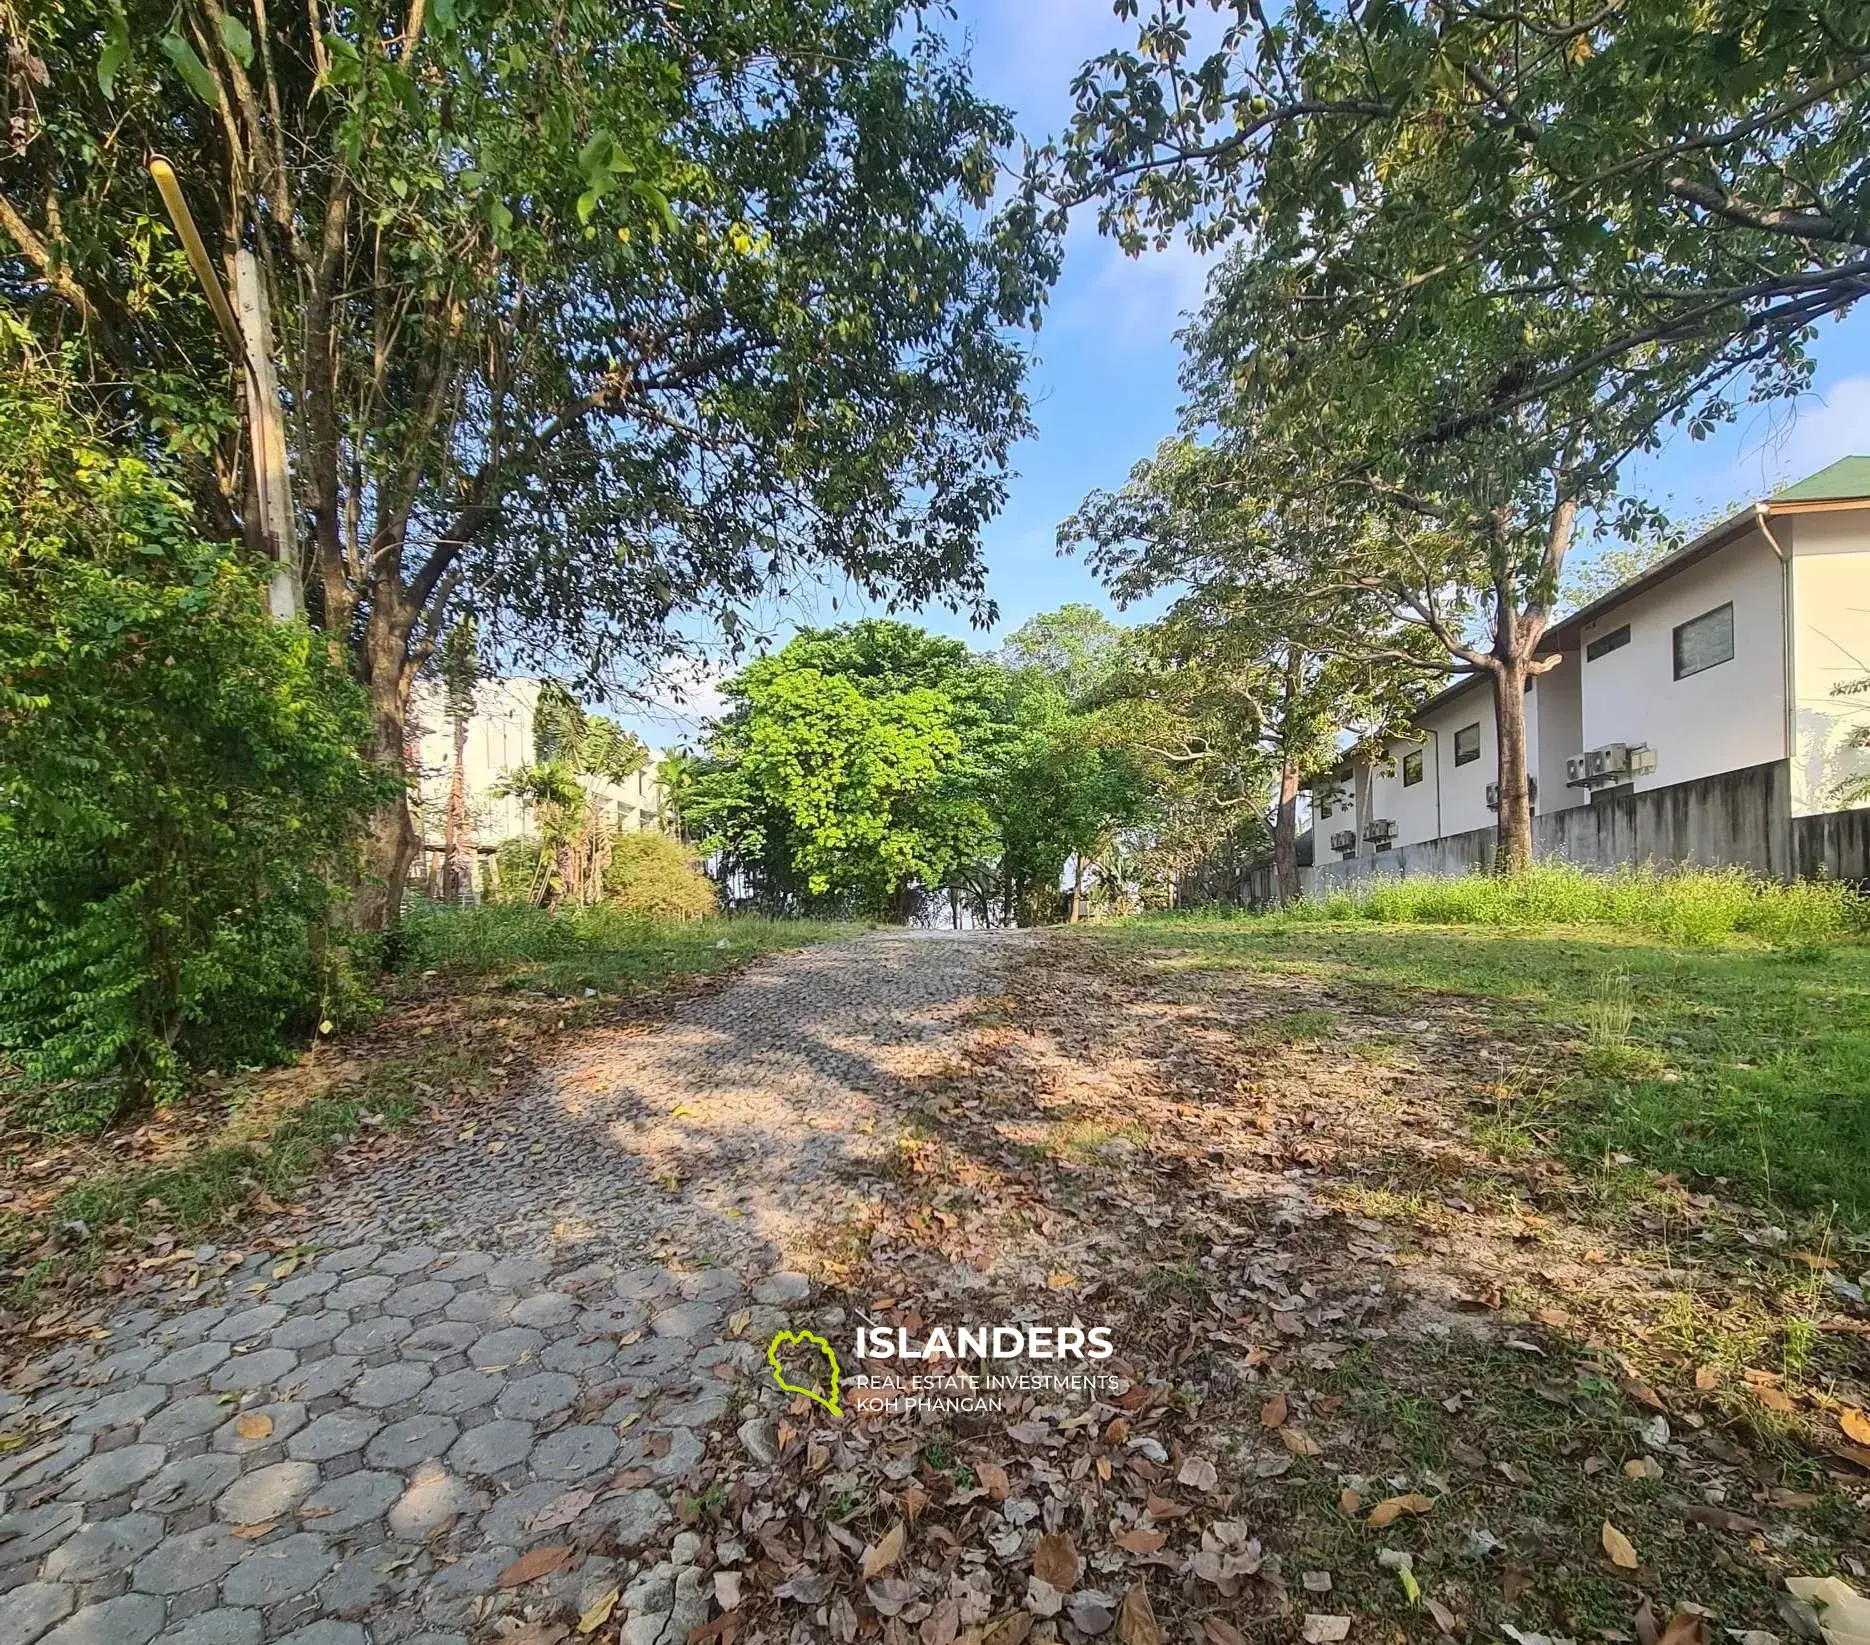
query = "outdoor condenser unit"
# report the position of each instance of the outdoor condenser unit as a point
(1532, 792)
(1345, 840)
(1378, 829)
(1613, 763)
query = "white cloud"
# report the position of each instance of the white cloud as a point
(1135, 301)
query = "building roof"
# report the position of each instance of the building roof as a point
(1846, 479)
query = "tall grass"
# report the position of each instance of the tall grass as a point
(1686, 905)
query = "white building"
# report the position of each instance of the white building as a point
(500, 741)
(1724, 656)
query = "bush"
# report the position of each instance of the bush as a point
(1688, 905)
(656, 875)
(179, 776)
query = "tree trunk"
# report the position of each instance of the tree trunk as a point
(457, 847)
(1077, 887)
(1286, 835)
(1513, 848)
(390, 845)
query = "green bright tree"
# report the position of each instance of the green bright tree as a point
(848, 767)
(590, 315)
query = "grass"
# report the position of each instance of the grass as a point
(1735, 1052)
(606, 949)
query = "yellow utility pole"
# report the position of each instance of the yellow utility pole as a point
(251, 338)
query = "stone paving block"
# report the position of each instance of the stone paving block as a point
(518, 1273)
(185, 1364)
(685, 1451)
(434, 1498)
(28, 1611)
(286, 1416)
(330, 1375)
(291, 1292)
(409, 1259)
(536, 1397)
(492, 1448)
(188, 1482)
(129, 1619)
(475, 1573)
(358, 1586)
(304, 1331)
(27, 1535)
(188, 1560)
(191, 1326)
(250, 1373)
(372, 1336)
(685, 1319)
(503, 1350)
(545, 1308)
(268, 1493)
(325, 1632)
(390, 1387)
(509, 1520)
(97, 1550)
(459, 1391)
(781, 1289)
(456, 1266)
(422, 1297)
(187, 1418)
(634, 1517)
(52, 1459)
(479, 1306)
(249, 1322)
(574, 1452)
(350, 1500)
(221, 1626)
(415, 1439)
(576, 1353)
(129, 1362)
(335, 1434)
(644, 1284)
(111, 1473)
(126, 1406)
(720, 1285)
(278, 1570)
(350, 1259)
(364, 1291)
(439, 1338)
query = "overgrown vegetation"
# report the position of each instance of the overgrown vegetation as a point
(180, 778)
(1702, 1025)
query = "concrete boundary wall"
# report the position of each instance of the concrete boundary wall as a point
(1741, 818)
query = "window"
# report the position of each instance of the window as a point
(1604, 644)
(1324, 806)
(1467, 744)
(1412, 769)
(1705, 641)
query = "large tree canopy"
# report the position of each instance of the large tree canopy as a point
(585, 315)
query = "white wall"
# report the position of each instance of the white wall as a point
(1461, 791)
(1830, 645)
(1720, 719)
(1557, 707)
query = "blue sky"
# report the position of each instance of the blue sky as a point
(1104, 387)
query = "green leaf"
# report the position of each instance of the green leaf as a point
(444, 13)
(235, 37)
(657, 202)
(191, 68)
(116, 51)
(597, 156)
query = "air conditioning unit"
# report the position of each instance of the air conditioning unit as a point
(1345, 840)
(1378, 829)
(1493, 793)
(1613, 763)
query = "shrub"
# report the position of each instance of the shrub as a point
(656, 875)
(179, 776)
(1688, 905)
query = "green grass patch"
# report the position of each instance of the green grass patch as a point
(1721, 1058)
(611, 950)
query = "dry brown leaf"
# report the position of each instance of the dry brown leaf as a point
(993, 1476)
(1137, 1540)
(1621, 1550)
(1685, 1628)
(1222, 1632)
(1199, 1474)
(597, 1613)
(1349, 1502)
(253, 1533)
(1055, 1561)
(942, 1624)
(1643, 1468)
(1298, 1442)
(1643, 1394)
(1136, 1622)
(1273, 1413)
(885, 1554)
(529, 1567)
(914, 1500)
(1772, 1398)
(1855, 1424)
(1391, 1509)
(1162, 1507)
(1322, 1628)
(1010, 1630)
(254, 1425)
(1707, 1376)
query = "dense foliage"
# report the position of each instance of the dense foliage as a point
(658, 876)
(585, 316)
(179, 775)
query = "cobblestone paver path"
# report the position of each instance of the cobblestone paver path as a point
(533, 1341)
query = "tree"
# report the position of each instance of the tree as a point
(179, 777)
(1077, 648)
(575, 755)
(1491, 255)
(590, 315)
(1270, 663)
(847, 768)
(460, 677)
(1677, 182)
